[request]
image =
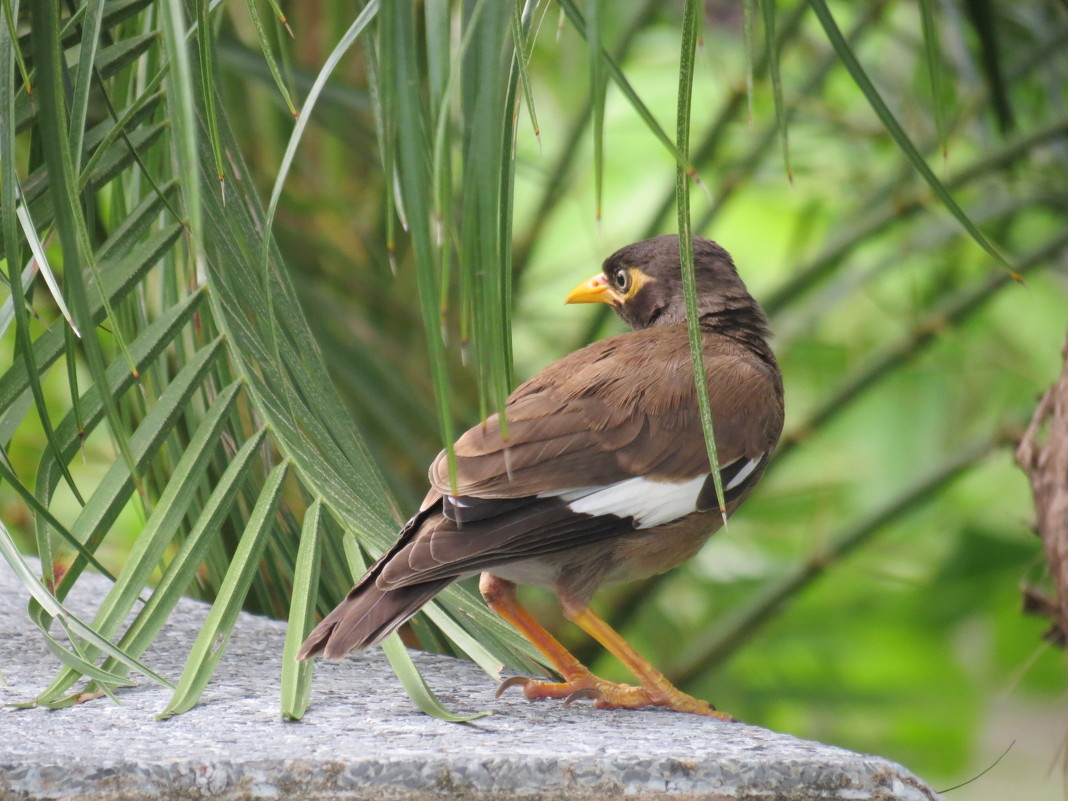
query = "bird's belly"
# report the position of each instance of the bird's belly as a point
(529, 572)
(641, 556)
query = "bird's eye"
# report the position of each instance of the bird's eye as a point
(622, 280)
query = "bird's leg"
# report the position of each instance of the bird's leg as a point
(501, 597)
(654, 684)
(578, 681)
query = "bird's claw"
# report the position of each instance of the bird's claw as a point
(608, 695)
(513, 681)
(584, 692)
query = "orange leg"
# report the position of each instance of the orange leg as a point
(660, 691)
(501, 597)
(579, 682)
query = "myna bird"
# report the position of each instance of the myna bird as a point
(603, 476)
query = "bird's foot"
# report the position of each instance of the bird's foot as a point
(609, 695)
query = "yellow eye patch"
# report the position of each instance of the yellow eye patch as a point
(629, 281)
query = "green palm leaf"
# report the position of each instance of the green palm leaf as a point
(214, 383)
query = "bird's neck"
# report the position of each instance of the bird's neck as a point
(743, 323)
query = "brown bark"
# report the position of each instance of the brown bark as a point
(1046, 465)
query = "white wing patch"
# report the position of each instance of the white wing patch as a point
(650, 503)
(744, 473)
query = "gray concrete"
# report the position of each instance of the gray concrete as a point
(363, 739)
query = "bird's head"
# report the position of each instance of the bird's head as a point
(643, 282)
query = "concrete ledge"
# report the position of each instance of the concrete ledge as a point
(363, 739)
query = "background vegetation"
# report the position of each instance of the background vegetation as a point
(868, 594)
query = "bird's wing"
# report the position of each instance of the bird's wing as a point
(619, 409)
(601, 443)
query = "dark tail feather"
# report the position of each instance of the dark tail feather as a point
(366, 617)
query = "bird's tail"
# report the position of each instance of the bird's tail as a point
(366, 617)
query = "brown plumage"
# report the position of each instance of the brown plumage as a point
(604, 475)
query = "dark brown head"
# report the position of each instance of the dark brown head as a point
(643, 285)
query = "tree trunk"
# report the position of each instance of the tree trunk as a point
(1046, 466)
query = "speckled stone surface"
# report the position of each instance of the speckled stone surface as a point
(363, 739)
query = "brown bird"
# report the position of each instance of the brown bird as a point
(603, 477)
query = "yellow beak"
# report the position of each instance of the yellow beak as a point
(594, 290)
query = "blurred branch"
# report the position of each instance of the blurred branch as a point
(1046, 467)
(929, 237)
(709, 651)
(884, 209)
(709, 147)
(893, 127)
(949, 313)
(556, 183)
(885, 214)
(748, 165)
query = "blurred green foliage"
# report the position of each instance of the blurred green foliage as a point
(905, 347)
